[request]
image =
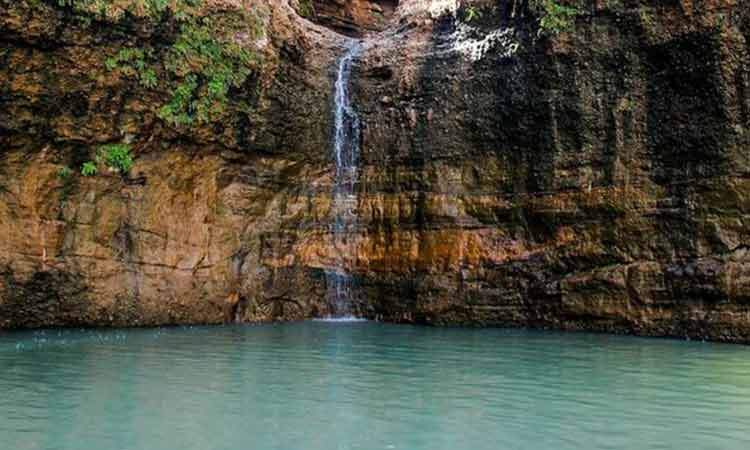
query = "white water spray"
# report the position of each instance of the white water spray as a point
(344, 210)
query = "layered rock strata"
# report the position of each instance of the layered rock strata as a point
(593, 179)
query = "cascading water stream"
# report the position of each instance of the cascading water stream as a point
(344, 207)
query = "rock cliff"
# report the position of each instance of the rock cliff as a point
(592, 174)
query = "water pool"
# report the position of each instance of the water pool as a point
(330, 386)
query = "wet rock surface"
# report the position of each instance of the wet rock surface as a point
(598, 179)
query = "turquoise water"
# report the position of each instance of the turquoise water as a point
(368, 386)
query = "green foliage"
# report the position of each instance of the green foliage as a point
(208, 66)
(471, 13)
(116, 156)
(211, 54)
(89, 169)
(208, 58)
(148, 78)
(114, 9)
(306, 8)
(131, 62)
(647, 19)
(64, 173)
(556, 18)
(177, 111)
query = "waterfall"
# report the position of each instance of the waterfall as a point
(344, 206)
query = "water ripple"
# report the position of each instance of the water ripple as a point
(323, 385)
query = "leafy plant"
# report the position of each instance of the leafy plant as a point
(148, 78)
(115, 9)
(556, 18)
(116, 157)
(64, 173)
(208, 58)
(208, 66)
(132, 62)
(89, 169)
(647, 19)
(306, 8)
(471, 13)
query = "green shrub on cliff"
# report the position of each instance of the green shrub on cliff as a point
(89, 169)
(117, 157)
(306, 8)
(178, 110)
(114, 9)
(210, 55)
(471, 13)
(555, 18)
(205, 65)
(64, 173)
(132, 62)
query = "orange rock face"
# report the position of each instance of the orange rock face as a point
(352, 17)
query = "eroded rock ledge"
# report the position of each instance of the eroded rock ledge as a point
(353, 18)
(596, 179)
